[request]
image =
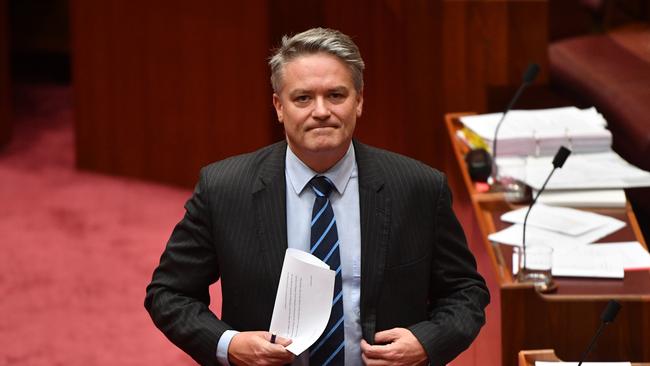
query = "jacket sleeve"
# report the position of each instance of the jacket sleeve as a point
(458, 294)
(177, 297)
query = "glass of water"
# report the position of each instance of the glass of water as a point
(534, 265)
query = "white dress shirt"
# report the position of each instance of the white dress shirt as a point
(345, 204)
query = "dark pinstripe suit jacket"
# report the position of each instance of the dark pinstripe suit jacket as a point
(416, 269)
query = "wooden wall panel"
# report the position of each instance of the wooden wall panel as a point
(486, 46)
(490, 43)
(5, 97)
(399, 41)
(567, 325)
(164, 87)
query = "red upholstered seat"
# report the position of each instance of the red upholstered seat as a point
(612, 72)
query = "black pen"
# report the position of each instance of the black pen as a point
(272, 338)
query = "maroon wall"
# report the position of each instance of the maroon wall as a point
(163, 87)
(5, 122)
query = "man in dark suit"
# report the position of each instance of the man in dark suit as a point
(407, 290)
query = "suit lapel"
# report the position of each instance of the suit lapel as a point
(269, 202)
(375, 227)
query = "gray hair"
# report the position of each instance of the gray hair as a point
(313, 41)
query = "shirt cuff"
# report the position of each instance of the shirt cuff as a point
(222, 346)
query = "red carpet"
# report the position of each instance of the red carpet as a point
(78, 250)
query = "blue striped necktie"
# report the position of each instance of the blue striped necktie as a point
(328, 349)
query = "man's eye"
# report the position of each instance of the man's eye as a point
(302, 98)
(337, 96)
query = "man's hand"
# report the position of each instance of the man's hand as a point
(397, 346)
(255, 348)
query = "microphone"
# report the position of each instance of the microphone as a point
(529, 76)
(558, 161)
(608, 315)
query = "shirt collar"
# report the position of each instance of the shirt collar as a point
(300, 174)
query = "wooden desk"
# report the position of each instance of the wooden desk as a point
(564, 320)
(528, 358)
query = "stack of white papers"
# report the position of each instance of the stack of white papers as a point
(605, 170)
(557, 227)
(608, 260)
(569, 232)
(528, 140)
(543, 131)
(609, 198)
(304, 300)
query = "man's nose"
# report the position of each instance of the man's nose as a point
(321, 110)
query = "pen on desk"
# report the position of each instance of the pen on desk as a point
(272, 337)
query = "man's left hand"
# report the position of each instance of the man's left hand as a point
(397, 346)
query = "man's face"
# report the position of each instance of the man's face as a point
(318, 107)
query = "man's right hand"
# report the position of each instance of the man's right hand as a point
(255, 348)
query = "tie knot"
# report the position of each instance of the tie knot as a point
(321, 186)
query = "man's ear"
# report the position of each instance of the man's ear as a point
(359, 103)
(277, 103)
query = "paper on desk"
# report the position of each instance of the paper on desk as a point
(627, 255)
(512, 235)
(587, 261)
(610, 198)
(542, 131)
(547, 363)
(304, 300)
(607, 260)
(604, 170)
(575, 262)
(561, 219)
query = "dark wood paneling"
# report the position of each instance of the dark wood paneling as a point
(486, 46)
(567, 326)
(5, 98)
(490, 43)
(164, 87)
(400, 42)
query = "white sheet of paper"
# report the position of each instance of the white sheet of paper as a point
(614, 198)
(627, 255)
(603, 170)
(560, 219)
(588, 261)
(547, 363)
(605, 260)
(512, 235)
(304, 300)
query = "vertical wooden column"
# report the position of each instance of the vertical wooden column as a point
(162, 88)
(486, 47)
(5, 95)
(490, 43)
(401, 43)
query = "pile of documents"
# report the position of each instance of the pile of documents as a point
(594, 175)
(304, 300)
(570, 233)
(541, 132)
(604, 170)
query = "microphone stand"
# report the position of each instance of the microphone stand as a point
(523, 240)
(608, 316)
(496, 131)
(529, 76)
(558, 161)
